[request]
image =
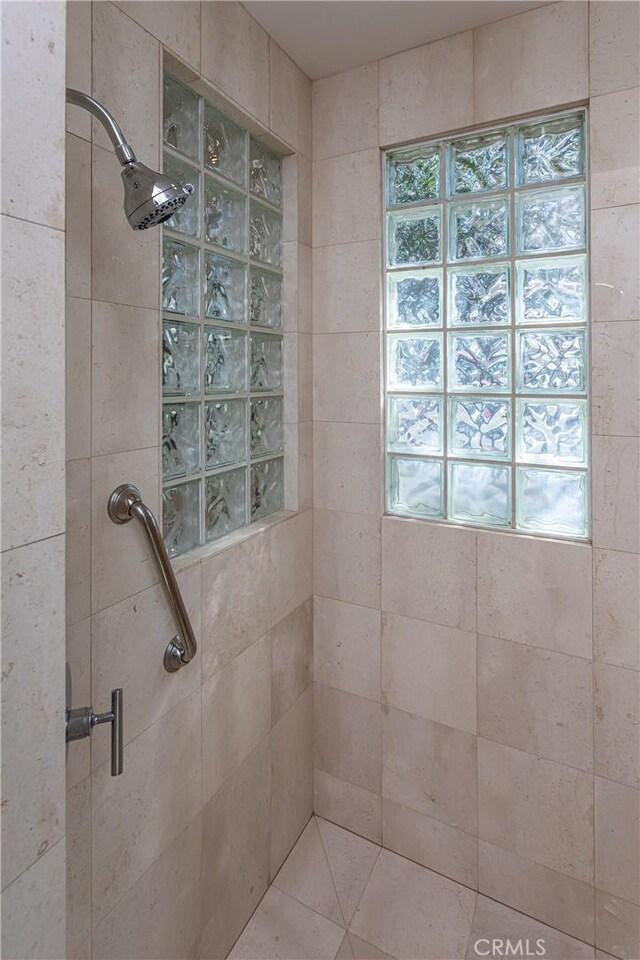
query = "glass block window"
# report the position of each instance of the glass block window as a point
(222, 380)
(486, 342)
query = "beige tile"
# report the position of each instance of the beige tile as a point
(346, 198)
(78, 885)
(305, 466)
(305, 268)
(346, 288)
(296, 297)
(78, 216)
(305, 875)
(617, 926)
(554, 612)
(131, 822)
(427, 90)
(149, 691)
(33, 643)
(617, 839)
(78, 540)
(361, 950)
(291, 777)
(345, 112)
(430, 842)
(351, 859)
(346, 375)
(347, 557)
(235, 56)
(345, 952)
(409, 930)
(616, 478)
(78, 57)
(614, 36)
(33, 909)
(552, 897)
(290, 578)
(290, 101)
(352, 807)
(536, 700)
(33, 68)
(346, 459)
(125, 392)
(33, 360)
(615, 378)
(346, 647)
(121, 562)
(175, 25)
(78, 656)
(283, 928)
(236, 714)
(305, 377)
(235, 854)
(494, 921)
(617, 724)
(291, 659)
(78, 377)
(536, 60)
(159, 917)
(430, 768)
(615, 148)
(347, 737)
(429, 670)
(615, 247)
(536, 808)
(444, 558)
(616, 608)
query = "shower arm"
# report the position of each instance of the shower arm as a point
(124, 153)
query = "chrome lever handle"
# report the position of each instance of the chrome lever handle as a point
(81, 721)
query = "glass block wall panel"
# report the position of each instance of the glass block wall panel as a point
(222, 360)
(486, 336)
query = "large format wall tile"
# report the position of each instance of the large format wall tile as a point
(617, 839)
(615, 378)
(78, 877)
(291, 777)
(614, 128)
(78, 657)
(617, 724)
(615, 248)
(33, 909)
(290, 101)
(355, 809)
(78, 541)
(616, 608)
(78, 64)
(617, 926)
(290, 573)
(346, 288)
(347, 557)
(614, 41)
(78, 377)
(346, 640)
(346, 378)
(346, 460)
(345, 112)
(346, 194)
(175, 25)
(347, 737)
(78, 216)
(615, 483)
(291, 659)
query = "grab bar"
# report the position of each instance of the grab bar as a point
(124, 503)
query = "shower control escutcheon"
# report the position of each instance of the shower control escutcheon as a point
(82, 720)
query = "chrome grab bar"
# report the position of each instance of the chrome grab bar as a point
(124, 503)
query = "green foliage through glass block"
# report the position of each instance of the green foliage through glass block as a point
(413, 175)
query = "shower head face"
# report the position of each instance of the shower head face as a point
(149, 197)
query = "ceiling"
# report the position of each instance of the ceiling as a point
(329, 36)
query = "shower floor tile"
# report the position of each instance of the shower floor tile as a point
(340, 897)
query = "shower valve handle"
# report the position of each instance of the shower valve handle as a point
(82, 720)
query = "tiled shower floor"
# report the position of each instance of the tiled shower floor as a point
(339, 896)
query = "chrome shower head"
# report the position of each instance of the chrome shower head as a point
(150, 197)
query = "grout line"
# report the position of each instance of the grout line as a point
(333, 883)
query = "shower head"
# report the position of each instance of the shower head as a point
(149, 197)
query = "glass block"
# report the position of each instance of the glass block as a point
(549, 501)
(187, 217)
(552, 150)
(414, 298)
(181, 517)
(225, 360)
(413, 175)
(266, 426)
(551, 219)
(265, 299)
(224, 293)
(265, 173)
(414, 361)
(225, 432)
(480, 493)
(479, 362)
(479, 230)
(224, 146)
(266, 362)
(180, 277)
(225, 503)
(265, 235)
(180, 358)
(479, 296)
(267, 488)
(414, 238)
(181, 124)
(180, 439)
(478, 163)
(415, 487)
(480, 428)
(551, 291)
(552, 361)
(414, 425)
(552, 431)
(224, 217)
